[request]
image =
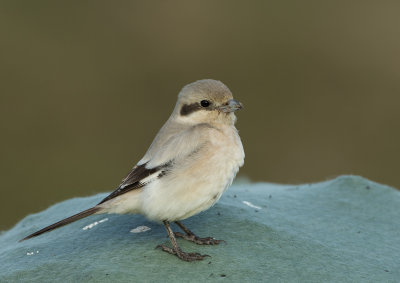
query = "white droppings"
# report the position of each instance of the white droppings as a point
(140, 229)
(90, 226)
(32, 253)
(251, 205)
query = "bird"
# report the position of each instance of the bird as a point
(193, 159)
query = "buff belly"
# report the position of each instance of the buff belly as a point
(171, 199)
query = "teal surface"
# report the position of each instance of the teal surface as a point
(343, 230)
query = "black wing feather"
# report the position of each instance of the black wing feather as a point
(133, 180)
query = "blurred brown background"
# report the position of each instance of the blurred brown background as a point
(85, 86)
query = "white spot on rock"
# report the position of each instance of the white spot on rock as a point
(90, 226)
(32, 253)
(140, 229)
(251, 205)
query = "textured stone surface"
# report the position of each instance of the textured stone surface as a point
(343, 230)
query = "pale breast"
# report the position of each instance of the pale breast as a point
(230, 155)
(198, 182)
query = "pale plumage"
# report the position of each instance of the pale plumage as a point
(191, 162)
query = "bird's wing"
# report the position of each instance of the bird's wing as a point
(137, 178)
(177, 146)
(175, 149)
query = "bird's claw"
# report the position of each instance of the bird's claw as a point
(181, 254)
(197, 240)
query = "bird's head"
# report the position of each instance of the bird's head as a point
(206, 101)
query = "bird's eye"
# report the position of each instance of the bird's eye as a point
(205, 103)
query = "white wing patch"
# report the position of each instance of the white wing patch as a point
(146, 180)
(150, 178)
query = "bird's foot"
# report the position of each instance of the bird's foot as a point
(181, 254)
(197, 240)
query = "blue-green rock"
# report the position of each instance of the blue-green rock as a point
(343, 230)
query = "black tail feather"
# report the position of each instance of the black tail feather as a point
(63, 222)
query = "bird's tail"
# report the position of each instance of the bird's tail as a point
(63, 222)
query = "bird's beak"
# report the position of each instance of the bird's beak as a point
(231, 106)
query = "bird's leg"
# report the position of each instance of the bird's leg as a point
(190, 236)
(176, 250)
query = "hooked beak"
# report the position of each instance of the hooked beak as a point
(231, 106)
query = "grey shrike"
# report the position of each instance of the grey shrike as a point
(191, 162)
